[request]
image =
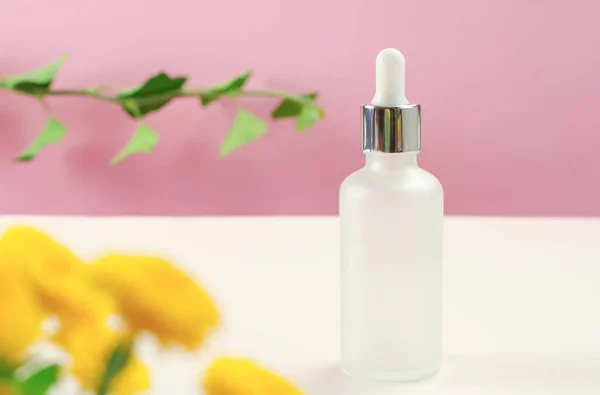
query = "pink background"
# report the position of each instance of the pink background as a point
(510, 93)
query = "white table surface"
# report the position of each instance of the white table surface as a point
(521, 299)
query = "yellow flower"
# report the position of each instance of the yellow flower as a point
(5, 389)
(133, 379)
(90, 346)
(58, 276)
(84, 305)
(20, 314)
(38, 252)
(231, 376)
(154, 295)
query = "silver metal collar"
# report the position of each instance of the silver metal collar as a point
(391, 129)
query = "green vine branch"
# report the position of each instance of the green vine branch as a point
(152, 95)
(194, 92)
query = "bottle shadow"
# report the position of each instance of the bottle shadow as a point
(332, 380)
(474, 374)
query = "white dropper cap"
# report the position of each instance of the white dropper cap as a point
(389, 79)
(390, 124)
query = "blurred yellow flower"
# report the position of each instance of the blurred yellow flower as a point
(39, 252)
(233, 376)
(56, 274)
(155, 295)
(20, 314)
(90, 346)
(5, 389)
(133, 379)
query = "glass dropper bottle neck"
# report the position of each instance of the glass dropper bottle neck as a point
(379, 161)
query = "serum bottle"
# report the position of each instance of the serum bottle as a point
(391, 215)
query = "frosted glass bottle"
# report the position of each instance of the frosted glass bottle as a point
(391, 215)
(391, 219)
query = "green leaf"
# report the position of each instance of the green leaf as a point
(292, 106)
(115, 363)
(143, 140)
(302, 107)
(151, 95)
(35, 82)
(308, 116)
(245, 128)
(52, 133)
(232, 86)
(40, 382)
